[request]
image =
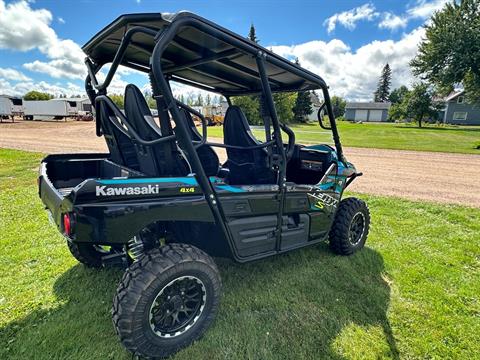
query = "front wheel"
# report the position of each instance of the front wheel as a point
(166, 300)
(350, 228)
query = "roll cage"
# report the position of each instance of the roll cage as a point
(157, 44)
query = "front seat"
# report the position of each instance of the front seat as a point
(163, 159)
(247, 166)
(208, 156)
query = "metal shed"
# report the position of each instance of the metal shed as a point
(367, 111)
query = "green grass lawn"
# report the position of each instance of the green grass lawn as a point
(388, 136)
(412, 293)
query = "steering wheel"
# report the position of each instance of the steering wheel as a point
(291, 141)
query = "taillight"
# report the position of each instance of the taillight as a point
(67, 224)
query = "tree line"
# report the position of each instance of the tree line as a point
(448, 56)
(417, 104)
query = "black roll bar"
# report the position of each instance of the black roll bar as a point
(202, 119)
(117, 60)
(129, 131)
(277, 137)
(162, 39)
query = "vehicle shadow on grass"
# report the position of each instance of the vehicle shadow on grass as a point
(304, 305)
(297, 305)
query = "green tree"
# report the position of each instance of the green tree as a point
(208, 100)
(37, 95)
(252, 35)
(302, 107)
(450, 51)
(284, 103)
(397, 112)
(118, 100)
(303, 104)
(383, 89)
(419, 105)
(338, 105)
(398, 94)
(152, 104)
(250, 106)
(199, 101)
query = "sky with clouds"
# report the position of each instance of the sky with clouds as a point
(347, 42)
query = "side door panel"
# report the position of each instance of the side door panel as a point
(251, 214)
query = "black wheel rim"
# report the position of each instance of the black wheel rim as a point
(357, 228)
(177, 307)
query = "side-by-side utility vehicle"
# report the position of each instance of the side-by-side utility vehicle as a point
(161, 203)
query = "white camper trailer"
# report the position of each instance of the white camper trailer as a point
(55, 108)
(10, 107)
(5, 107)
(80, 108)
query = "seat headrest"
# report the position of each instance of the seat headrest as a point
(236, 130)
(135, 101)
(137, 111)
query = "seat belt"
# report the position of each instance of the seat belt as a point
(165, 126)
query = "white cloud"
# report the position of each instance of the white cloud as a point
(350, 18)
(23, 28)
(354, 74)
(60, 68)
(421, 9)
(61, 20)
(21, 88)
(392, 21)
(424, 8)
(12, 74)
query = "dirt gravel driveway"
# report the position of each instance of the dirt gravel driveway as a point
(438, 177)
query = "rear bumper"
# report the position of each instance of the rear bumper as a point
(50, 197)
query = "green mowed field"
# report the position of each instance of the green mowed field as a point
(463, 139)
(412, 293)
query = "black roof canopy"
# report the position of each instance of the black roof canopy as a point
(205, 56)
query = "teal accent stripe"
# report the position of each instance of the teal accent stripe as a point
(230, 188)
(191, 181)
(185, 180)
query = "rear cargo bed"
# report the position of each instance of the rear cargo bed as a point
(65, 172)
(61, 174)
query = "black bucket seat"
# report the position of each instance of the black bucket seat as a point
(208, 156)
(163, 159)
(247, 166)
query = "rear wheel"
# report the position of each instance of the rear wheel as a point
(166, 300)
(350, 228)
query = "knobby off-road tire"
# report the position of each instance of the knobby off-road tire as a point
(350, 227)
(164, 282)
(87, 254)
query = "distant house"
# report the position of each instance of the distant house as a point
(458, 111)
(367, 111)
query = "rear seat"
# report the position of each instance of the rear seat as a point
(121, 147)
(159, 160)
